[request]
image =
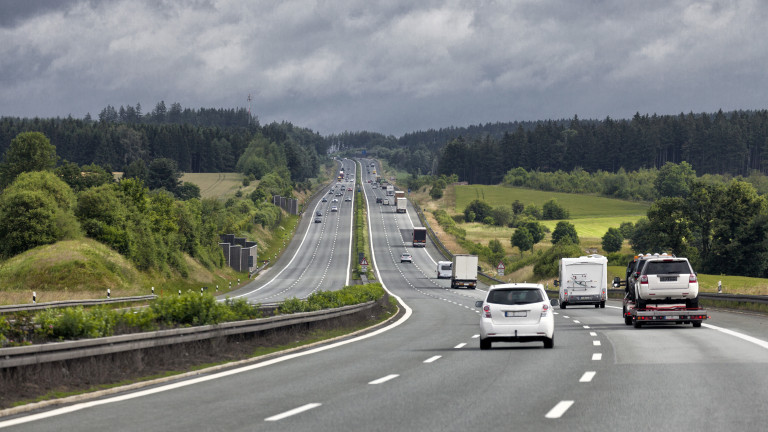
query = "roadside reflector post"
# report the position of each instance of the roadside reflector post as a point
(34, 297)
(109, 293)
(153, 290)
(179, 293)
(201, 291)
(719, 287)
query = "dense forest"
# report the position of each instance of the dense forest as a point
(734, 143)
(204, 140)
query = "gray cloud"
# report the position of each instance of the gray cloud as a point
(393, 67)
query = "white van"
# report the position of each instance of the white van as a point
(583, 281)
(444, 269)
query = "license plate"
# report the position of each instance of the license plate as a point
(668, 278)
(516, 313)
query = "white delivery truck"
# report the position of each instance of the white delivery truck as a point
(444, 269)
(583, 281)
(390, 190)
(401, 205)
(464, 271)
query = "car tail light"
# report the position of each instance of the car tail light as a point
(644, 280)
(544, 309)
(692, 278)
(603, 297)
(565, 293)
(487, 310)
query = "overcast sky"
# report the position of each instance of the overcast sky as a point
(391, 66)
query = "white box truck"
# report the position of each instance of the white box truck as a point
(583, 281)
(444, 269)
(390, 190)
(401, 205)
(464, 271)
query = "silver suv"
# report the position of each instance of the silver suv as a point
(666, 279)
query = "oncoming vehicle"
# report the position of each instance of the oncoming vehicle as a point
(517, 312)
(406, 257)
(444, 269)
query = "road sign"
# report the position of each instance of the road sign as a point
(364, 261)
(500, 268)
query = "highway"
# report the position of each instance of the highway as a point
(426, 372)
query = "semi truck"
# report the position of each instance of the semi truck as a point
(419, 237)
(583, 281)
(661, 289)
(401, 204)
(399, 194)
(464, 271)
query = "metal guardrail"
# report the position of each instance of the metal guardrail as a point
(58, 351)
(73, 303)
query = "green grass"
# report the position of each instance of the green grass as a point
(218, 185)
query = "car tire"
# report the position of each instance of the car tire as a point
(602, 304)
(597, 306)
(692, 303)
(636, 323)
(627, 320)
(485, 344)
(696, 324)
(563, 305)
(549, 342)
(640, 304)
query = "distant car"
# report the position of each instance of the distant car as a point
(335, 200)
(334, 209)
(318, 220)
(318, 213)
(378, 200)
(406, 257)
(349, 198)
(369, 180)
(339, 194)
(330, 192)
(325, 199)
(386, 201)
(349, 189)
(519, 312)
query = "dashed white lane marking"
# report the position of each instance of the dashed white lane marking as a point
(586, 327)
(566, 317)
(475, 336)
(577, 322)
(559, 409)
(461, 345)
(293, 412)
(593, 334)
(596, 343)
(587, 377)
(597, 356)
(431, 359)
(384, 379)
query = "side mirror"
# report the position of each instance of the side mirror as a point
(479, 303)
(616, 282)
(556, 283)
(554, 302)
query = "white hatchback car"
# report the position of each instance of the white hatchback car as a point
(518, 312)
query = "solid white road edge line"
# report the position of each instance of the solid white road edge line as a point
(587, 377)
(384, 379)
(742, 336)
(559, 409)
(292, 412)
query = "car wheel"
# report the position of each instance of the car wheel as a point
(640, 304)
(692, 303)
(550, 342)
(563, 305)
(485, 344)
(628, 320)
(597, 306)
(697, 324)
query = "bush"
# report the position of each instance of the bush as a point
(349, 295)
(547, 266)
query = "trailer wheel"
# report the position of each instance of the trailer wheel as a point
(563, 305)
(697, 324)
(627, 320)
(636, 323)
(485, 344)
(602, 304)
(597, 305)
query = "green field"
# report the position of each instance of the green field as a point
(218, 185)
(591, 215)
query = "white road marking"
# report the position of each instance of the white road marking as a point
(596, 343)
(431, 359)
(565, 316)
(461, 345)
(742, 336)
(577, 321)
(384, 379)
(586, 327)
(559, 409)
(476, 336)
(292, 412)
(587, 377)
(597, 356)
(593, 334)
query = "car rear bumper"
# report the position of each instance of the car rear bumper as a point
(543, 330)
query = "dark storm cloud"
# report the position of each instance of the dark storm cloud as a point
(392, 66)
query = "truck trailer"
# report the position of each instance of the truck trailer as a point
(419, 237)
(464, 271)
(583, 281)
(401, 204)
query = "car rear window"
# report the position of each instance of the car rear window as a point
(667, 267)
(515, 296)
(445, 267)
